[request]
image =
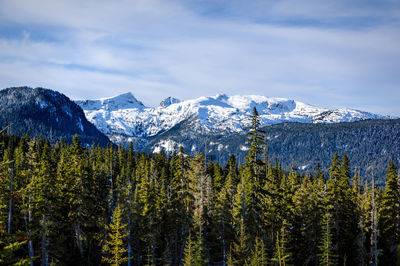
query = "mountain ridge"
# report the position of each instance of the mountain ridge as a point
(204, 125)
(47, 113)
(220, 113)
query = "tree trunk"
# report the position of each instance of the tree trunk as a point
(10, 202)
(129, 243)
(44, 244)
(30, 243)
(78, 238)
(223, 242)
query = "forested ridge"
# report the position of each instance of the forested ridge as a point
(47, 113)
(68, 204)
(370, 144)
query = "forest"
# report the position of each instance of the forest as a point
(70, 204)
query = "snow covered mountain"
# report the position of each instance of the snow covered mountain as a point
(123, 118)
(46, 113)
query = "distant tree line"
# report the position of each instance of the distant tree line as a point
(66, 204)
(370, 144)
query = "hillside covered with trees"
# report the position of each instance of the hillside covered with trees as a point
(67, 204)
(370, 144)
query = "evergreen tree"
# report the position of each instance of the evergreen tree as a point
(259, 256)
(306, 218)
(224, 215)
(281, 254)
(256, 141)
(326, 256)
(41, 192)
(178, 218)
(389, 218)
(342, 208)
(240, 251)
(250, 197)
(200, 189)
(9, 244)
(57, 200)
(188, 253)
(114, 247)
(194, 252)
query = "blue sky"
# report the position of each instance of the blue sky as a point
(339, 53)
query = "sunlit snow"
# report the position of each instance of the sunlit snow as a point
(125, 115)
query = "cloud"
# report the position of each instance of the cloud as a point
(156, 48)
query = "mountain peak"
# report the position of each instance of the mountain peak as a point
(118, 102)
(221, 96)
(124, 116)
(168, 101)
(122, 101)
(48, 113)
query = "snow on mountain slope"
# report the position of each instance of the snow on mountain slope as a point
(122, 101)
(168, 101)
(124, 115)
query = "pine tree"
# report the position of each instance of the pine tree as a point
(240, 250)
(193, 253)
(9, 245)
(177, 217)
(342, 207)
(74, 185)
(281, 254)
(374, 216)
(349, 229)
(259, 256)
(250, 197)
(229, 259)
(224, 215)
(389, 214)
(326, 256)
(41, 193)
(305, 231)
(8, 250)
(114, 246)
(256, 141)
(29, 171)
(200, 190)
(188, 253)
(12, 242)
(199, 257)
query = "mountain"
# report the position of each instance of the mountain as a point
(47, 113)
(298, 134)
(370, 144)
(123, 118)
(123, 101)
(168, 101)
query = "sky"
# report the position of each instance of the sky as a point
(332, 54)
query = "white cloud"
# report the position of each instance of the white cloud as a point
(160, 48)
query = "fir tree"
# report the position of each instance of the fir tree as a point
(240, 251)
(326, 256)
(342, 208)
(281, 254)
(188, 253)
(259, 256)
(250, 197)
(389, 218)
(114, 246)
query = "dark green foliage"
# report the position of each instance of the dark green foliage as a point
(115, 244)
(369, 144)
(342, 209)
(326, 257)
(389, 218)
(181, 209)
(259, 254)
